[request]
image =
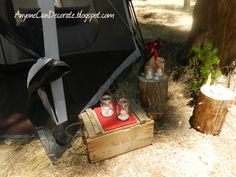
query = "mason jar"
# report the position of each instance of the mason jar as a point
(123, 109)
(149, 72)
(160, 66)
(107, 108)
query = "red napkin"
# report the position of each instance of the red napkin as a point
(110, 123)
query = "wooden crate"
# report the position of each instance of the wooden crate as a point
(102, 145)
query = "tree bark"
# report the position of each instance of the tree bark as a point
(210, 110)
(215, 21)
(153, 96)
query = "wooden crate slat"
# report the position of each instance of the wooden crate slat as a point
(139, 112)
(85, 134)
(97, 127)
(96, 118)
(138, 127)
(87, 124)
(108, 153)
(119, 142)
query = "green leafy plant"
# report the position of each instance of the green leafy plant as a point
(204, 62)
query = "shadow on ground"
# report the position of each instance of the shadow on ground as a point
(170, 34)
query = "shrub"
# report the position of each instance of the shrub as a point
(204, 62)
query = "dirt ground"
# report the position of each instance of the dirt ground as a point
(177, 150)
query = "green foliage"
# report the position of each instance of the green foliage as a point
(204, 62)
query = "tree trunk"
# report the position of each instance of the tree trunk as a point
(215, 21)
(211, 108)
(186, 4)
(153, 96)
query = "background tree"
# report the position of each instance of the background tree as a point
(187, 4)
(215, 21)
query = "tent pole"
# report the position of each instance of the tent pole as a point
(136, 20)
(52, 51)
(130, 59)
(3, 52)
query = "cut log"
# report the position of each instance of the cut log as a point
(153, 96)
(210, 110)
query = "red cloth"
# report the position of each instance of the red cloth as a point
(110, 123)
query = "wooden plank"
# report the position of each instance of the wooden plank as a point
(138, 127)
(98, 122)
(119, 142)
(97, 126)
(109, 153)
(87, 124)
(137, 118)
(85, 134)
(136, 111)
(139, 112)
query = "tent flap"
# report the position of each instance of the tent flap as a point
(95, 52)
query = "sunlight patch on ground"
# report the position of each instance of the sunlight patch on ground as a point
(185, 22)
(170, 18)
(162, 12)
(232, 110)
(160, 2)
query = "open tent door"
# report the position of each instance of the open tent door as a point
(96, 52)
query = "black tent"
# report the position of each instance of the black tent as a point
(53, 68)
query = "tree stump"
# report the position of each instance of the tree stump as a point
(211, 108)
(153, 96)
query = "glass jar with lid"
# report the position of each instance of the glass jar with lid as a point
(123, 109)
(107, 108)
